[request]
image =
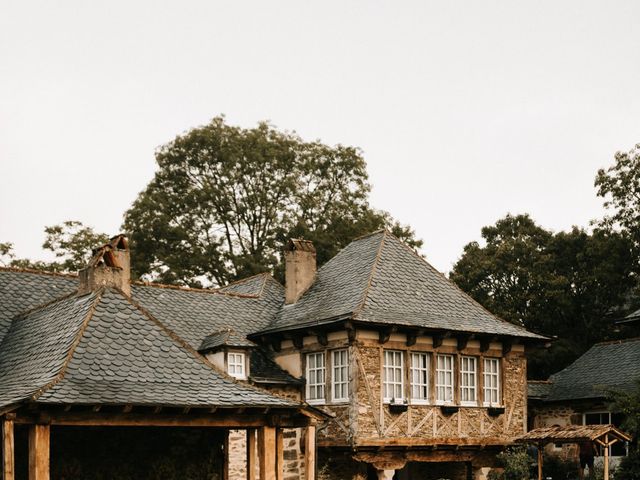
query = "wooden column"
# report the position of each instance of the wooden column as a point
(252, 454)
(279, 454)
(540, 448)
(225, 464)
(606, 458)
(39, 452)
(8, 444)
(267, 452)
(310, 453)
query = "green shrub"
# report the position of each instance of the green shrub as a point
(516, 463)
(629, 468)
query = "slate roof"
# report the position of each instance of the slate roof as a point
(607, 366)
(22, 290)
(538, 389)
(379, 279)
(265, 370)
(224, 338)
(104, 349)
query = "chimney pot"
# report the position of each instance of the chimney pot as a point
(300, 268)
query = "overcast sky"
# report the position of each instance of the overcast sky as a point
(465, 110)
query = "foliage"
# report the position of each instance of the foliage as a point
(224, 200)
(619, 185)
(629, 467)
(627, 403)
(71, 242)
(555, 467)
(564, 284)
(516, 463)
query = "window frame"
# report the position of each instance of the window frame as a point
(468, 374)
(437, 384)
(420, 371)
(396, 354)
(242, 363)
(345, 369)
(323, 378)
(498, 377)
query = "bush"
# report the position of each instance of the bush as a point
(516, 463)
(629, 468)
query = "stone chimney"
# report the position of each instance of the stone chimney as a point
(300, 268)
(110, 266)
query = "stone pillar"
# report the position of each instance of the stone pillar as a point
(386, 474)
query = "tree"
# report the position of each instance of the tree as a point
(71, 243)
(628, 404)
(565, 285)
(619, 185)
(225, 199)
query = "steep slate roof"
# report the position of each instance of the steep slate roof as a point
(103, 349)
(21, 290)
(607, 366)
(379, 279)
(254, 286)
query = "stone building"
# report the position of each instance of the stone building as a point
(375, 361)
(421, 381)
(568, 398)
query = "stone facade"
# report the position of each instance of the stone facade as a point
(366, 423)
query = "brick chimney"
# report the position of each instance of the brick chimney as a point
(110, 266)
(300, 268)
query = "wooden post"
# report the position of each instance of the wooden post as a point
(39, 436)
(226, 459)
(267, 452)
(8, 445)
(252, 454)
(540, 448)
(606, 458)
(279, 454)
(310, 453)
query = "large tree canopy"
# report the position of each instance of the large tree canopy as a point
(224, 200)
(566, 284)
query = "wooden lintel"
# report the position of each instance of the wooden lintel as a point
(297, 341)
(134, 419)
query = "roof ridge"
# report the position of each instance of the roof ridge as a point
(212, 291)
(185, 345)
(360, 306)
(38, 272)
(243, 280)
(370, 234)
(38, 393)
(613, 342)
(549, 382)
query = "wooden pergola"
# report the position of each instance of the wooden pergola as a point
(264, 427)
(603, 435)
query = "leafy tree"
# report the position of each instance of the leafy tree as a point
(565, 285)
(619, 185)
(628, 404)
(71, 242)
(224, 200)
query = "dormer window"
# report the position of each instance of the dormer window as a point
(236, 365)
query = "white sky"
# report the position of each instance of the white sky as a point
(465, 110)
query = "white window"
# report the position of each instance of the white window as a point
(444, 379)
(339, 375)
(235, 365)
(393, 384)
(491, 381)
(419, 378)
(315, 377)
(468, 380)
